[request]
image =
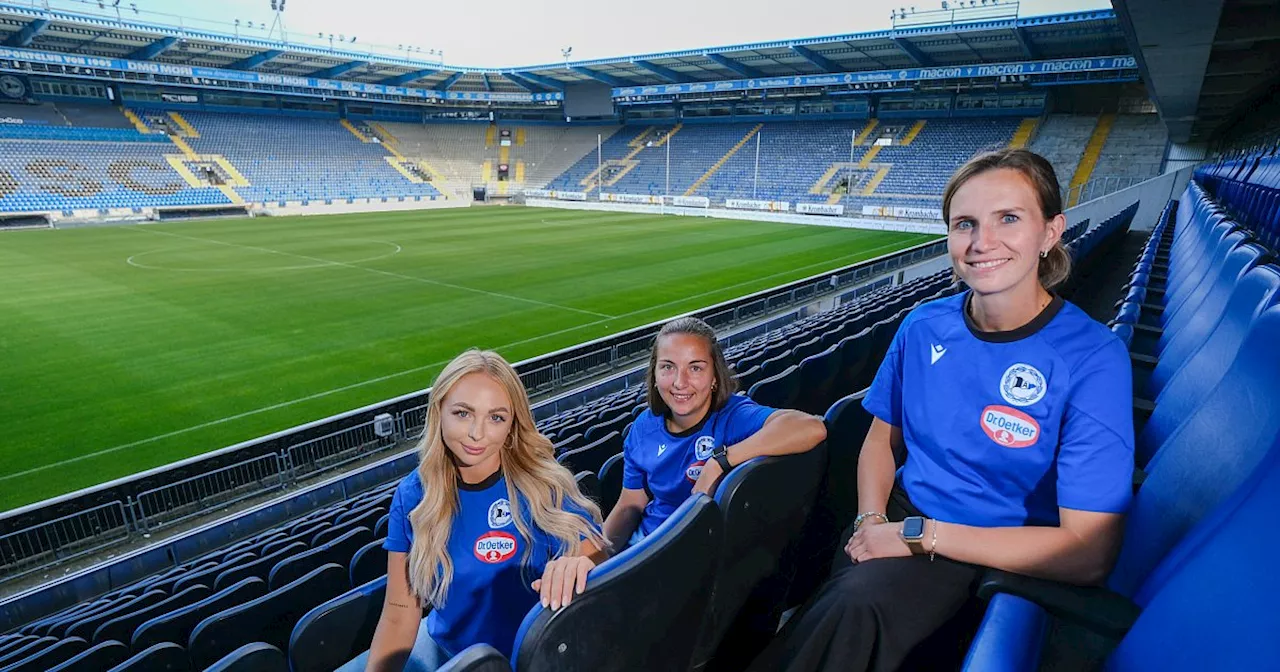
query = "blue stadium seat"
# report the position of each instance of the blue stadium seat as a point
(46, 657)
(176, 626)
(369, 563)
(255, 657)
(331, 634)
(339, 551)
(162, 657)
(102, 656)
(665, 582)
(121, 627)
(1193, 473)
(477, 658)
(269, 618)
(761, 522)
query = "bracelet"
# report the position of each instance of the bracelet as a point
(933, 546)
(857, 522)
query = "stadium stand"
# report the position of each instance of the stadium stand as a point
(294, 586)
(149, 157)
(467, 154)
(891, 162)
(293, 159)
(64, 168)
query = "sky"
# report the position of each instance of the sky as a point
(503, 33)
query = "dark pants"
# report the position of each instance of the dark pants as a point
(871, 616)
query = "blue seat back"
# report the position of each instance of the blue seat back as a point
(1212, 604)
(1207, 457)
(643, 606)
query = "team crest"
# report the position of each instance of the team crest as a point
(1010, 427)
(500, 513)
(495, 547)
(704, 446)
(1022, 385)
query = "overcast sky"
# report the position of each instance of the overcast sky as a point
(500, 33)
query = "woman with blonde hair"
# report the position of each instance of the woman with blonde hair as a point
(486, 513)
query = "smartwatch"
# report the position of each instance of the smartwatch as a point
(913, 530)
(721, 456)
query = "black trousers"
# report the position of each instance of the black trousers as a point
(871, 616)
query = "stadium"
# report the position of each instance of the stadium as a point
(233, 261)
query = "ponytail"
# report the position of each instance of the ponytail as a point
(1055, 267)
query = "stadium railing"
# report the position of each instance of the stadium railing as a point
(41, 535)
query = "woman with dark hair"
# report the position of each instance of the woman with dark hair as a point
(1014, 409)
(695, 431)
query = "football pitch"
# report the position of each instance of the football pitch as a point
(125, 348)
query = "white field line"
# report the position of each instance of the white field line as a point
(416, 369)
(330, 262)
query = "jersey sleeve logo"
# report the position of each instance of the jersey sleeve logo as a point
(1010, 427)
(499, 513)
(495, 547)
(1022, 385)
(703, 447)
(694, 472)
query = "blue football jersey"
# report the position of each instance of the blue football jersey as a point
(667, 465)
(1002, 428)
(490, 593)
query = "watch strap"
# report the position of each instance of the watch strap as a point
(721, 457)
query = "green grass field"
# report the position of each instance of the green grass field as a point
(126, 348)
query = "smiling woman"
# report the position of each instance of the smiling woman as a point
(1019, 442)
(695, 431)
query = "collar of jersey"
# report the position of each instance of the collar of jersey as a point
(1036, 324)
(697, 427)
(482, 485)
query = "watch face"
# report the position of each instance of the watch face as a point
(913, 528)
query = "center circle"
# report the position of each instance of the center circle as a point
(250, 259)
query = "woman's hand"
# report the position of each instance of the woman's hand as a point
(562, 579)
(877, 540)
(708, 479)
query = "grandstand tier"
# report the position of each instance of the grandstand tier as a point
(105, 158)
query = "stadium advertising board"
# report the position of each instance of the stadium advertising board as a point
(631, 198)
(819, 209)
(198, 74)
(927, 214)
(1053, 67)
(691, 201)
(560, 195)
(747, 204)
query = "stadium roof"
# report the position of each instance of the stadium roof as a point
(1204, 61)
(965, 42)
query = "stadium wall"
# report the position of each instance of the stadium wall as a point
(750, 215)
(1151, 195)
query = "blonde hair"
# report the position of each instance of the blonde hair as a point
(1055, 267)
(528, 463)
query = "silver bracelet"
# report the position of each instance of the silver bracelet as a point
(857, 522)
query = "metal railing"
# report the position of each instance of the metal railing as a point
(287, 458)
(334, 450)
(1099, 187)
(64, 538)
(176, 502)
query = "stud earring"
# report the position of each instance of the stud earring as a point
(1044, 253)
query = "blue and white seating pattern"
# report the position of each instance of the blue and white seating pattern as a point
(297, 159)
(793, 157)
(92, 169)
